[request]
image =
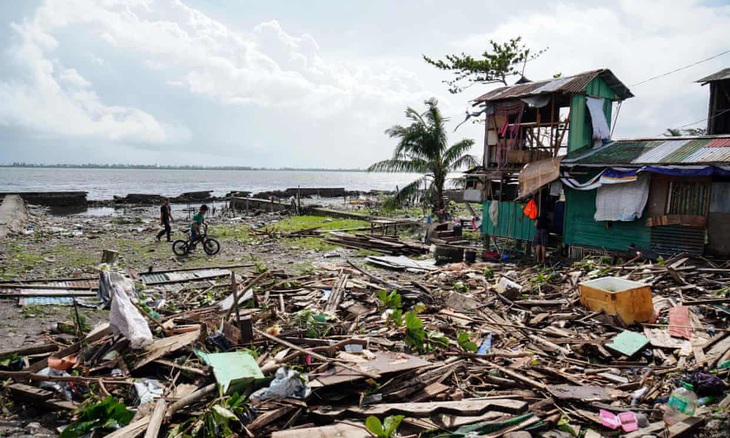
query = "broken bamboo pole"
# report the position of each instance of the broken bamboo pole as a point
(158, 416)
(190, 399)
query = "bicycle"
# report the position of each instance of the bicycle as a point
(210, 246)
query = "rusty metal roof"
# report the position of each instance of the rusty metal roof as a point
(564, 85)
(659, 151)
(718, 76)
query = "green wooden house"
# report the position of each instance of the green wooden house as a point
(687, 195)
(667, 195)
(530, 125)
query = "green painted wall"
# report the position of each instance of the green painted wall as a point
(580, 127)
(581, 229)
(511, 221)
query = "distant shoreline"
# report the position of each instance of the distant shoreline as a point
(155, 167)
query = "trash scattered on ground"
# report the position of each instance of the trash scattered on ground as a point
(461, 349)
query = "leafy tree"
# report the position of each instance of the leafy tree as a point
(674, 132)
(423, 148)
(495, 65)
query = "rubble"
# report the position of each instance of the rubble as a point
(465, 348)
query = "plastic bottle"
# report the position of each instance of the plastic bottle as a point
(681, 404)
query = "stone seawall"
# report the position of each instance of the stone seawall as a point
(51, 199)
(13, 215)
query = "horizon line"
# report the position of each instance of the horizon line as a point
(171, 167)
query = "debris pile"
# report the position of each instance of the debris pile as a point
(481, 349)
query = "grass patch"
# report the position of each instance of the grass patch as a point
(68, 256)
(237, 232)
(311, 243)
(34, 310)
(21, 258)
(297, 223)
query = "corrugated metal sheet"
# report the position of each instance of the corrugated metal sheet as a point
(719, 143)
(710, 154)
(165, 277)
(671, 150)
(570, 84)
(553, 85)
(65, 285)
(662, 150)
(719, 76)
(673, 239)
(681, 154)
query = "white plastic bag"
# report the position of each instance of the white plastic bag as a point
(286, 383)
(126, 319)
(106, 280)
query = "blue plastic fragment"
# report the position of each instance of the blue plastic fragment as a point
(486, 345)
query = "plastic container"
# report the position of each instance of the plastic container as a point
(630, 300)
(681, 404)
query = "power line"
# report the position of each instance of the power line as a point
(680, 69)
(703, 120)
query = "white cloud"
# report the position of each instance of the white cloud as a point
(265, 67)
(274, 97)
(636, 40)
(56, 99)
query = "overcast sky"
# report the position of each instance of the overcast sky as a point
(312, 83)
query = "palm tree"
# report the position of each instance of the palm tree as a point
(422, 148)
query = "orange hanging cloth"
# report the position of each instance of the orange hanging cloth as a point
(530, 209)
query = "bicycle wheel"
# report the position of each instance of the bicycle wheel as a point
(211, 246)
(180, 247)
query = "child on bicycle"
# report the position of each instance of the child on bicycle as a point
(198, 221)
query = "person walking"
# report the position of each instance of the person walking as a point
(165, 219)
(542, 226)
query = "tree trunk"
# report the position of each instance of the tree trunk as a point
(439, 184)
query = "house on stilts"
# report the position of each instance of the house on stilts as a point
(551, 141)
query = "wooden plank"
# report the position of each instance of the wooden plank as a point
(269, 417)
(161, 347)
(429, 392)
(158, 415)
(474, 406)
(132, 430)
(515, 375)
(685, 426)
(339, 430)
(24, 392)
(315, 355)
(652, 429)
(33, 349)
(574, 392)
(716, 352)
(93, 336)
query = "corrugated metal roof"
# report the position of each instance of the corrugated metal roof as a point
(670, 150)
(569, 84)
(719, 76)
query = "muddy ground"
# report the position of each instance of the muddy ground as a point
(71, 247)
